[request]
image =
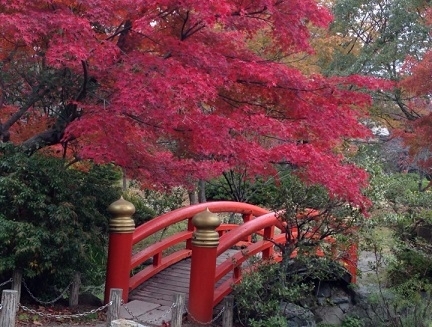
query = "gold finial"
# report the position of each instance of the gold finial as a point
(205, 234)
(122, 221)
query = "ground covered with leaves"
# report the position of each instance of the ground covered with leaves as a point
(45, 316)
(36, 315)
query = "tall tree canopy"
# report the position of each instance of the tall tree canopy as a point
(417, 81)
(174, 91)
(378, 36)
(386, 38)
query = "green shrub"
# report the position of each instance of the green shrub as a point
(351, 321)
(260, 293)
(54, 218)
(412, 211)
(163, 201)
(407, 305)
(143, 212)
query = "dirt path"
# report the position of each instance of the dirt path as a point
(368, 279)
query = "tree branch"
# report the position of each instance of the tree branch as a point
(69, 113)
(35, 96)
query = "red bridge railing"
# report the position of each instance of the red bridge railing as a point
(255, 220)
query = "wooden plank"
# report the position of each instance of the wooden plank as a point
(182, 268)
(155, 301)
(9, 307)
(167, 281)
(156, 288)
(176, 276)
(155, 295)
(160, 289)
(173, 275)
(156, 291)
(168, 284)
(160, 296)
(151, 270)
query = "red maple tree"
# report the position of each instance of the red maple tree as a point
(417, 132)
(172, 91)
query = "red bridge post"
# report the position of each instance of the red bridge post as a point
(121, 228)
(205, 240)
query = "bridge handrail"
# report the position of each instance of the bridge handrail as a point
(262, 222)
(158, 247)
(154, 251)
(175, 216)
(266, 222)
(234, 264)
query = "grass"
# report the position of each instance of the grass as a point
(160, 235)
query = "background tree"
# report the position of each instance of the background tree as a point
(377, 39)
(378, 36)
(236, 185)
(416, 81)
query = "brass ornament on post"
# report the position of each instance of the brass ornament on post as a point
(205, 234)
(122, 221)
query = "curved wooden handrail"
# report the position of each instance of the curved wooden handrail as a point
(155, 251)
(268, 221)
(264, 225)
(235, 262)
(180, 214)
(158, 247)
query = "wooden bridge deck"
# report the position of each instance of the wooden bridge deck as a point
(160, 288)
(157, 293)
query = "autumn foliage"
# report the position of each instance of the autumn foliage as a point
(418, 131)
(174, 91)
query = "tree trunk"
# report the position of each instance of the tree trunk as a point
(201, 191)
(193, 197)
(74, 292)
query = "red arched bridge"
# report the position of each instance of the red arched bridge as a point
(205, 241)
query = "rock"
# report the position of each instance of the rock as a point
(335, 300)
(345, 307)
(344, 303)
(321, 301)
(125, 323)
(330, 315)
(297, 316)
(324, 290)
(89, 299)
(341, 300)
